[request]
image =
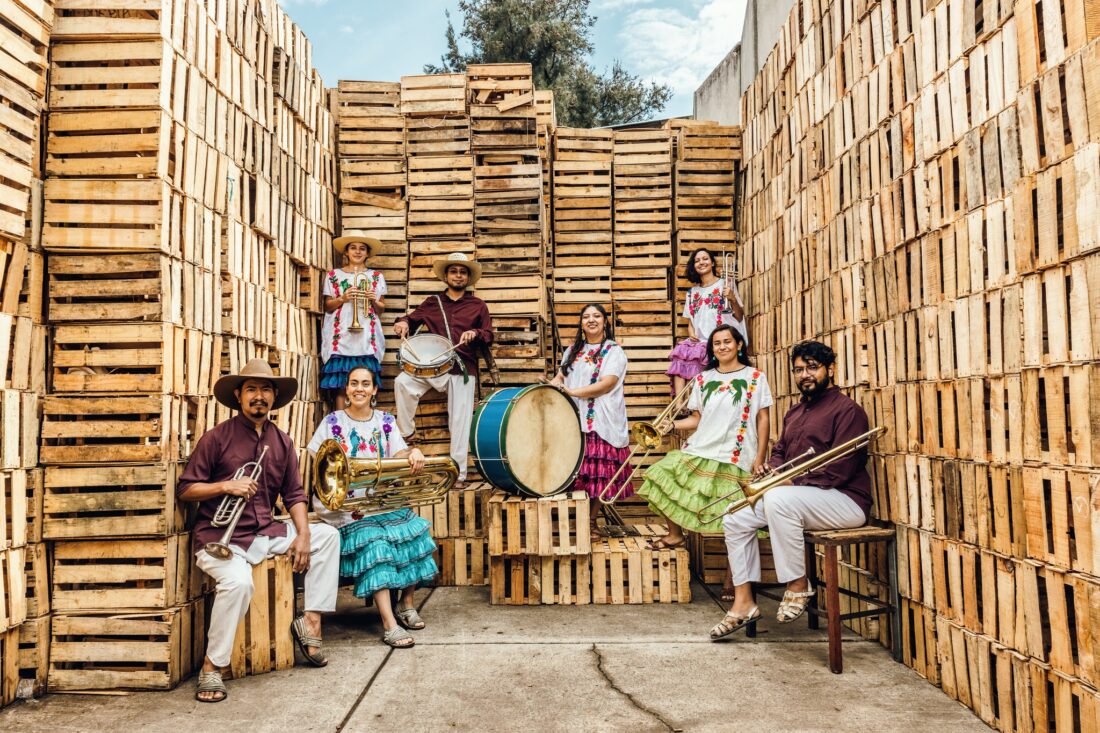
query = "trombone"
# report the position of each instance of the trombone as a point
(648, 436)
(231, 508)
(752, 490)
(358, 298)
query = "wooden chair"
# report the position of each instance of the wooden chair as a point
(830, 540)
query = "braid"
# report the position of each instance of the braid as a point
(579, 340)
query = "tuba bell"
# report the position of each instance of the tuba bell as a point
(378, 485)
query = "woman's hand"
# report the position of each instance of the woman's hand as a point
(416, 461)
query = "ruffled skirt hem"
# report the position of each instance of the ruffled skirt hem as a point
(601, 460)
(392, 550)
(334, 373)
(680, 485)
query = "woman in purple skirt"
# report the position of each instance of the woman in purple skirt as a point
(592, 372)
(709, 304)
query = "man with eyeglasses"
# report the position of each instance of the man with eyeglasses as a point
(835, 496)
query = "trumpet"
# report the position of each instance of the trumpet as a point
(387, 483)
(231, 508)
(752, 490)
(648, 437)
(358, 297)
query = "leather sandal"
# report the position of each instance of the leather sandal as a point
(398, 634)
(733, 622)
(305, 641)
(793, 605)
(211, 682)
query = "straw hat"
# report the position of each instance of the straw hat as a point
(457, 258)
(341, 243)
(286, 387)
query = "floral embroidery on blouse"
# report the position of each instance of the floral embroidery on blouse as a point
(596, 357)
(714, 299)
(744, 426)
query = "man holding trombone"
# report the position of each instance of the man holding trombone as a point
(235, 474)
(819, 465)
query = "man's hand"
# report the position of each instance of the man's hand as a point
(416, 461)
(299, 553)
(467, 337)
(243, 487)
(401, 329)
(760, 469)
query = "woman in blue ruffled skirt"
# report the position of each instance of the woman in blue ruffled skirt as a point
(384, 551)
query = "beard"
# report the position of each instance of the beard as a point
(814, 388)
(257, 410)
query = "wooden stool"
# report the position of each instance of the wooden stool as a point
(830, 540)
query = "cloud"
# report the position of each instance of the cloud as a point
(346, 29)
(680, 47)
(614, 6)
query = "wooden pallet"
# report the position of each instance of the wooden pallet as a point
(18, 442)
(112, 501)
(37, 572)
(625, 570)
(9, 666)
(14, 506)
(462, 561)
(553, 525)
(710, 562)
(263, 642)
(101, 574)
(132, 650)
(34, 657)
(463, 514)
(13, 591)
(531, 580)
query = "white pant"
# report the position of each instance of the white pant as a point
(460, 408)
(786, 511)
(234, 578)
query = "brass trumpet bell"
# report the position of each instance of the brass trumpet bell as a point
(357, 302)
(378, 485)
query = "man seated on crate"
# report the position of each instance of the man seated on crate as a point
(223, 468)
(463, 319)
(833, 496)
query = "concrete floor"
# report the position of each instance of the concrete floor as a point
(542, 668)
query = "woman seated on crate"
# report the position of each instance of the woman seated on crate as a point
(381, 552)
(729, 412)
(710, 302)
(592, 372)
(354, 298)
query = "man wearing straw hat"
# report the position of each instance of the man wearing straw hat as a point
(211, 476)
(463, 319)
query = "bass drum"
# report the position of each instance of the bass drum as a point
(527, 440)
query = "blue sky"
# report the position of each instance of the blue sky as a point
(676, 42)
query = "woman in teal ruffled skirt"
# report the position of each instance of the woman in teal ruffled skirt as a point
(729, 408)
(382, 552)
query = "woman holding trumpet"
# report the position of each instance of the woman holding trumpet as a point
(712, 301)
(592, 372)
(354, 298)
(729, 412)
(379, 552)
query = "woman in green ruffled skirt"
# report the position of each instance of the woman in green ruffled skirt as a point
(729, 407)
(384, 551)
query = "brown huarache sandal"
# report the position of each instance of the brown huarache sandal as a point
(662, 543)
(211, 682)
(733, 622)
(305, 641)
(793, 605)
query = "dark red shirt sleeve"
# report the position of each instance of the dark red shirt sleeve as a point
(484, 325)
(291, 489)
(200, 465)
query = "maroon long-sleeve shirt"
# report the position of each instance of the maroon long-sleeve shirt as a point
(822, 423)
(467, 313)
(224, 449)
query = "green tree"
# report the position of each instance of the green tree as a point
(554, 37)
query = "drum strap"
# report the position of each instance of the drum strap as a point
(447, 326)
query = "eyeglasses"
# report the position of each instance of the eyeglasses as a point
(810, 367)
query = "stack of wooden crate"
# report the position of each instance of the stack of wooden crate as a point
(460, 530)
(24, 603)
(945, 239)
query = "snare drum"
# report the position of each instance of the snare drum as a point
(527, 440)
(426, 355)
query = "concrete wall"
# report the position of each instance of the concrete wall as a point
(719, 96)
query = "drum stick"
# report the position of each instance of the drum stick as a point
(412, 352)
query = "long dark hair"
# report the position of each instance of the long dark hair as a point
(694, 277)
(742, 353)
(578, 340)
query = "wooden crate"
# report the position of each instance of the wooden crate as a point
(625, 570)
(441, 176)
(113, 429)
(552, 525)
(709, 143)
(435, 218)
(18, 441)
(34, 657)
(435, 137)
(462, 514)
(112, 501)
(37, 572)
(263, 642)
(133, 357)
(711, 563)
(462, 561)
(13, 507)
(531, 580)
(138, 74)
(13, 590)
(508, 87)
(515, 134)
(433, 95)
(106, 574)
(132, 650)
(9, 666)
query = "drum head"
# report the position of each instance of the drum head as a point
(543, 440)
(429, 350)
